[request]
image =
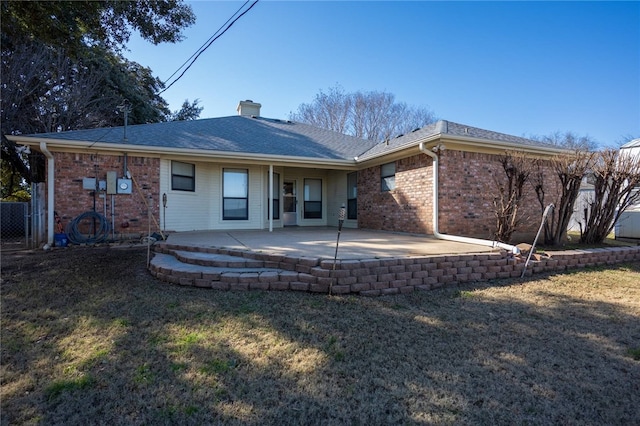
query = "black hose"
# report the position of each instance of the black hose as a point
(97, 230)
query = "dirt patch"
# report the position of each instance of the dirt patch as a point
(88, 336)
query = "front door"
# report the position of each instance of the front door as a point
(290, 203)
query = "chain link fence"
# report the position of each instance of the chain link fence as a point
(14, 230)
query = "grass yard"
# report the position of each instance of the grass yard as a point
(88, 337)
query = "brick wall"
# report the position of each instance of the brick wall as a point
(468, 189)
(466, 194)
(408, 208)
(129, 209)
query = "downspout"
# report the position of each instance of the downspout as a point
(50, 192)
(436, 209)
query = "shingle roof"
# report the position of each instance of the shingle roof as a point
(444, 127)
(264, 136)
(234, 134)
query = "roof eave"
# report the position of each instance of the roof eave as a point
(202, 154)
(469, 141)
(462, 142)
(396, 151)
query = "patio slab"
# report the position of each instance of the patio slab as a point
(321, 242)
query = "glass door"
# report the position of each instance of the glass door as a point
(289, 203)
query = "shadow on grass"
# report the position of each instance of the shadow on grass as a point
(150, 353)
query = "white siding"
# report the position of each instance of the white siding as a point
(336, 197)
(202, 209)
(256, 191)
(186, 211)
(629, 225)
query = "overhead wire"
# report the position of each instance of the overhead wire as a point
(205, 43)
(192, 59)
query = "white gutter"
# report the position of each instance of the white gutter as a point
(436, 209)
(50, 192)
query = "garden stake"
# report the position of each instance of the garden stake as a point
(544, 219)
(341, 216)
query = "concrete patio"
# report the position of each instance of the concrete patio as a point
(320, 242)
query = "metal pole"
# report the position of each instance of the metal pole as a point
(544, 219)
(341, 217)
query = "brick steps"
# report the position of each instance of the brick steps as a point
(216, 260)
(233, 269)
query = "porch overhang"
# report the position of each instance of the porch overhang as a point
(59, 145)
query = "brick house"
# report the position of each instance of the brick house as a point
(251, 172)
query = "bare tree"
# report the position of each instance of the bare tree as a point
(568, 170)
(616, 181)
(367, 115)
(328, 110)
(511, 190)
(569, 140)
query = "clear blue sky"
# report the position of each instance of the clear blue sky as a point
(523, 68)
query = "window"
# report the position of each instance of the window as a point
(313, 198)
(388, 177)
(183, 176)
(352, 193)
(235, 194)
(275, 202)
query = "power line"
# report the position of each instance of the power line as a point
(208, 43)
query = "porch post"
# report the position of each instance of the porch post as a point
(270, 200)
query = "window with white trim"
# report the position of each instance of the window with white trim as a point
(183, 176)
(388, 177)
(235, 194)
(352, 195)
(313, 198)
(275, 201)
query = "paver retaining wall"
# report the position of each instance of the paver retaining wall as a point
(372, 277)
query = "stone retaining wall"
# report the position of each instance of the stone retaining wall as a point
(373, 277)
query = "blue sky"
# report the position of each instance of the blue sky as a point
(523, 68)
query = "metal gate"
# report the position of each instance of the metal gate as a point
(23, 224)
(15, 226)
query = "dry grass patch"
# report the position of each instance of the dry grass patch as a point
(98, 340)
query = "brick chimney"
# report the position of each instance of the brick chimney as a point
(249, 108)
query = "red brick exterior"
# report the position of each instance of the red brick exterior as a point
(467, 189)
(466, 193)
(408, 208)
(72, 200)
